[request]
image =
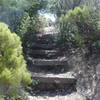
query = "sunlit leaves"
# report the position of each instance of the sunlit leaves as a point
(79, 25)
(12, 64)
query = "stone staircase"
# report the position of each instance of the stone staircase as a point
(48, 66)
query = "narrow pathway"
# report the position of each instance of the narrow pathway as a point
(50, 70)
(47, 63)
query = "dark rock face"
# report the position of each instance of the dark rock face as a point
(54, 83)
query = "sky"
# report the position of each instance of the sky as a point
(49, 16)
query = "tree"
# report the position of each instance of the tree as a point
(29, 24)
(80, 25)
(7, 4)
(60, 7)
(14, 4)
(13, 72)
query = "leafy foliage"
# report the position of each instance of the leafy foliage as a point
(29, 21)
(30, 24)
(79, 26)
(7, 3)
(14, 4)
(13, 72)
(35, 6)
(24, 24)
(12, 12)
(60, 7)
(1, 97)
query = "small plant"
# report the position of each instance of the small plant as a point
(35, 82)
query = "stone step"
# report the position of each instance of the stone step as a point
(47, 41)
(41, 46)
(48, 38)
(69, 74)
(44, 82)
(43, 53)
(55, 80)
(48, 62)
(43, 56)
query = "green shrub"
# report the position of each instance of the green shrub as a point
(79, 26)
(1, 97)
(28, 25)
(24, 24)
(27, 29)
(13, 72)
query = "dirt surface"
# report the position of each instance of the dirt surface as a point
(63, 75)
(73, 96)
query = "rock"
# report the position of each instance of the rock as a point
(98, 70)
(50, 62)
(97, 97)
(42, 46)
(30, 98)
(75, 96)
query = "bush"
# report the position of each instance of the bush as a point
(1, 97)
(13, 72)
(79, 26)
(28, 25)
(24, 24)
(27, 29)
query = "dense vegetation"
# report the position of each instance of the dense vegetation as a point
(79, 27)
(78, 22)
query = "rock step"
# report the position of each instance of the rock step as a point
(37, 56)
(53, 83)
(39, 46)
(43, 53)
(49, 62)
(56, 80)
(47, 41)
(48, 38)
(68, 74)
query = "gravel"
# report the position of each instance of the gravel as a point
(73, 96)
